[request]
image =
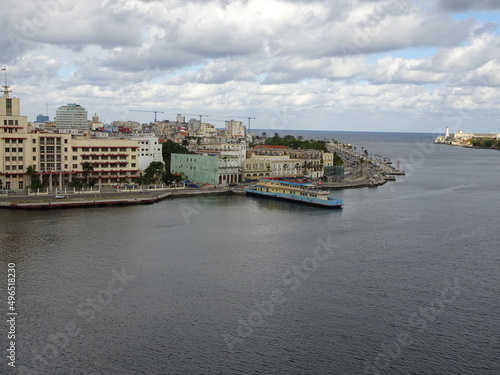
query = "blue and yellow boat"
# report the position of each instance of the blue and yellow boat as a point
(294, 191)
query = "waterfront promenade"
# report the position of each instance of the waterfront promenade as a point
(368, 173)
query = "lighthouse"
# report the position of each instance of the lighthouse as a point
(447, 132)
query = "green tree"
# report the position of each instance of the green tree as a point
(36, 184)
(297, 167)
(185, 142)
(87, 169)
(155, 171)
(31, 171)
(76, 183)
(169, 148)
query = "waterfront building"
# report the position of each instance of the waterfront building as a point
(72, 116)
(207, 169)
(224, 149)
(149, 150)
(58, 158)
(462, 139)
(260, 166)
(328, 159)
(311, 161)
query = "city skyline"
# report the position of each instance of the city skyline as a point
(317, 65)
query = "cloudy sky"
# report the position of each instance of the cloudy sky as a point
(361, 65)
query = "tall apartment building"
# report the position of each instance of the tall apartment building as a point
(72, 116)
(234, 128)
(58, 157)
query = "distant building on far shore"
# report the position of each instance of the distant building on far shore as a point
(462, 139)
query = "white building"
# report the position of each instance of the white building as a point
(71, 116)
(150, 149)
(238, 150)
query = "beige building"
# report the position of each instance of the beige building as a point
(262, 166)
(58, 157)
(311, 161)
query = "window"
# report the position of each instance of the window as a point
(75, 166)
(19, 140)
(34, 158)
(34, 149)
(133, 165)
(75, 157)
(8, 107)
(7, 140)
(7, 149)
(20, 149)
(7, 158)
(14, 158)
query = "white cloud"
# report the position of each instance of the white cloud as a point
(312, 58)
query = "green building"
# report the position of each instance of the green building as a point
(207, 169)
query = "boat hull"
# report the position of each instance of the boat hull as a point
(330, 203)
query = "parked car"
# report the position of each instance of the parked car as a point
(59, 196)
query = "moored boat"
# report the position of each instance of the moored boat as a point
(294, 191)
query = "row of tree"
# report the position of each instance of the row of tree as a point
(296, 143)
(486, 143)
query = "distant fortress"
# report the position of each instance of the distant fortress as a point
(463, 139)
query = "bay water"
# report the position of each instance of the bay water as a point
(405, 279)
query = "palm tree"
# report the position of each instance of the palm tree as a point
(285, 167)
(185, 142)
(31, 171)
(87, 167)
(297, 167)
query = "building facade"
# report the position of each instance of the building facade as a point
(58, 158)
(149, 150)
(71, 116)
(262, 166)
(207, 169)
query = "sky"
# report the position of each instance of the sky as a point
(342, 65)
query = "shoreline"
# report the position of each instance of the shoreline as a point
(112, 198)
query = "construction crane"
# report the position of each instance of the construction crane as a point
(190, 114)
(155, 112)
(249, 118)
